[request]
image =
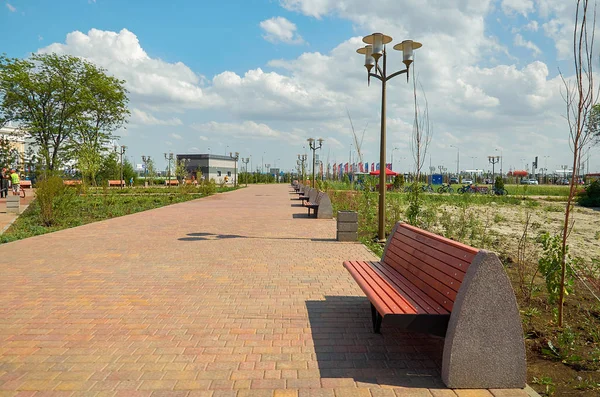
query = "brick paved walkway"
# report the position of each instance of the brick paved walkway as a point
(236, 294)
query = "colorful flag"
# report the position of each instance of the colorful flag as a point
(388, 166)
(335, 169)
(362, 167)
(346, 168)
(372, 167)
(377, 167)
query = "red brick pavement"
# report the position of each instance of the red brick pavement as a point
(236, 294)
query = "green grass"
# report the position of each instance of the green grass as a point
(90, 208)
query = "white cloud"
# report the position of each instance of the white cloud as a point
(175, 136)
(280, 30)
(532, 26)
(522, 7)
(140, 117)
(11, 8)
(521, 42)
(149, 79)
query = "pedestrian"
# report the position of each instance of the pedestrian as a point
(15, 180)
(131, 182)
(3, 184)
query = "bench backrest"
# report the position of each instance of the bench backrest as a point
(312, 196)
(116, 182)
(435, 264)
(25, 183)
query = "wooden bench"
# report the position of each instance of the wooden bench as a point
(116, 183)
(305, 194)
(73, 182)
(428, 283)
(25, 184)
(171, 182)
(320, 204)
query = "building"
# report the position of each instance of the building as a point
(223, 169)
(16, 137)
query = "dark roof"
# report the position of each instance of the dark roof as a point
(204, 156)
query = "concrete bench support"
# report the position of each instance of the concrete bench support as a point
(13, 204)
(484, 346)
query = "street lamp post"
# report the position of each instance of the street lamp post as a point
(373, 51)
(121, 152)
(501, 161)
(302, 160)
(457, 160)
(246, 161)
(236, 157)
(493, 160)
(313, 146)
(169, 158)
(146, 160)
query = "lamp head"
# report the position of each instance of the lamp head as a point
(367, 51)
(321, 140)
(407, 47)
(377, 40)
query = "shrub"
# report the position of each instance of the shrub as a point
(54, 199)
(591, 196)
(499, 183)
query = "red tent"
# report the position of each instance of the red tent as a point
(388, 172)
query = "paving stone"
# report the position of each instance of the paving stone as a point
(184, 300)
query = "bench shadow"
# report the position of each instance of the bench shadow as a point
(346, 347)
(214, 236)
(301, 216)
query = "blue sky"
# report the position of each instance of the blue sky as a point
(261, 76)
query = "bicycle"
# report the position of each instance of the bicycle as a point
(445, 189)
(498, 192)
(427, 188)
(18, 191)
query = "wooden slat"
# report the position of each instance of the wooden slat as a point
(407, 289)
(442, 294)
(455, 264)
(460, 252)
(444, 240)
(378, 290)
(381, 306)
(431, 266)
(387, 287)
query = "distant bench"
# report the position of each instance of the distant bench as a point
(116, 183)
(171, 182)
(428, 283)
(25, 184)
(320, 204)
(73, 182)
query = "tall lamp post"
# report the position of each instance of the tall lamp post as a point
(121, 152)
(457, 160)
(493, 160)
(145, 160)
(373, 52)
(301, 161)
(169, 158)
(313, 146)
(236, 157)
(501, 161)
(246, 161)
(396, 148)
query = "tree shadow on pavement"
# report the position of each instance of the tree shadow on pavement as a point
(346, 347)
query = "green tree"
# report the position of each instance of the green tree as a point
(110, 168)
(8, 156)
(150, 170)
(65, 104)
(181, 171)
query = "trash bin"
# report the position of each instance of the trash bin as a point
(347, 226)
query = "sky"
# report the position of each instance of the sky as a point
(260, 77)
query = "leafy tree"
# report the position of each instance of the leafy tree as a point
(110, 168)
(181, 171)
(8, 155)
(150, 170)
(129, 172)
(89, 163)
(65, 104)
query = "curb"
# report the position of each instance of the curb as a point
(5, 228)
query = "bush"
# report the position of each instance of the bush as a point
(499, 183)
(54, 199)
(591, 196)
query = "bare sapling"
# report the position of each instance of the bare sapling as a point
(579, 96)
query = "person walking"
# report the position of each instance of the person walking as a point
(15, 181)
